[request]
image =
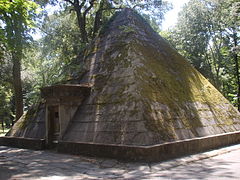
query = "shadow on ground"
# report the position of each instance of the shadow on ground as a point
(27, 164)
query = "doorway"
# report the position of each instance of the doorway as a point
(53, 124)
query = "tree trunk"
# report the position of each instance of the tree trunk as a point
(97, 19)
(235, 57)
(82, 11)
(81, 24)
(17, 85)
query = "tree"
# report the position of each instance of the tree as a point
(191, 36)
(6, 114)
(16, 20)
(45, 59)
(207, 33)
(232, 26)
(98, 9)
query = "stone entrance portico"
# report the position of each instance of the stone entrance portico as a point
(62, 102)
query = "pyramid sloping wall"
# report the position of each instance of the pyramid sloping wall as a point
(144, 92)
(31, 124)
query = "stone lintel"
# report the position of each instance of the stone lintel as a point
(66, 91)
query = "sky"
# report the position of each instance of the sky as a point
(171, 16)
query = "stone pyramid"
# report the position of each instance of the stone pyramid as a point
(142, 92)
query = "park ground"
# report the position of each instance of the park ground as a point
(3, 132)
(18, 164)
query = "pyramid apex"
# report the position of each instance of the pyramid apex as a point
(128, 21)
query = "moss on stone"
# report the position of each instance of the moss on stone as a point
(28, 117)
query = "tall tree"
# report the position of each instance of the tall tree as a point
(233, 27)
(16, 17)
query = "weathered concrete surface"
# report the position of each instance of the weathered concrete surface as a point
(31, 124)
(24, 164)
(155, 153)
(143, 92)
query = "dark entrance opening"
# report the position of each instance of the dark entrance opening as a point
(53, 124)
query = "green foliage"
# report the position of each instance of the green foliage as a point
(204, 34)
(152, 10)
(16, 15)
(61, 37)
(16, 21)
(40, 70)
(92, 14)
(5, 105)
(6, 94)
(46, 60)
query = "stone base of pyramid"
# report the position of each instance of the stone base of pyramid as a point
(153, 153)
(26, 143)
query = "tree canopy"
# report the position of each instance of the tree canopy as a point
(16, 21)
(207, 34)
